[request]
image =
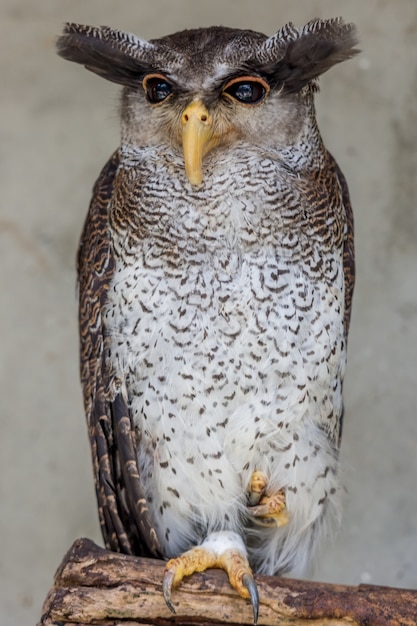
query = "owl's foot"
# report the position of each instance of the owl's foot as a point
(268, 510)
(224, 550)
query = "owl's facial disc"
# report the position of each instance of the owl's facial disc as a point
(198, 138)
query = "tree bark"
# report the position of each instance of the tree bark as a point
(96, 586)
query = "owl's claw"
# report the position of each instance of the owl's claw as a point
(267, 510)
(224, 550)
(257, 487)
(167, 587)
(271, 511)
(249, 582)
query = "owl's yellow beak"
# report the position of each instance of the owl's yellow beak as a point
(197, 139)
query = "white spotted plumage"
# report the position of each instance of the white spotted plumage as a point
(226, 360)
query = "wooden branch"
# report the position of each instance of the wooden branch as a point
(95, 586)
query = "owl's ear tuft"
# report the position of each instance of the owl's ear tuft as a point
(302, 55)
(119, 57)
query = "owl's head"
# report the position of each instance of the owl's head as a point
(205, 88)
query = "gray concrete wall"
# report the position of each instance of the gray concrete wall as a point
(58, 124)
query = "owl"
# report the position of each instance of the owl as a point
(216, 269)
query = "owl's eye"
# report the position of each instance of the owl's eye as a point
(157, 88)
(247, 89)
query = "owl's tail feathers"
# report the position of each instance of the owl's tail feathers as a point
(224, 550)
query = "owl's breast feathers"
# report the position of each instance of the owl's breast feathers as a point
(230, 296)
(250, 200)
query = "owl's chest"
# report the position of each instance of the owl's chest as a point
(194, 329)
(220, 302)
(223, 357)
(248, 203)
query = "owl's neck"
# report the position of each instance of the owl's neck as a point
(305, 152)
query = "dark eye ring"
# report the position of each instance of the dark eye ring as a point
(247, 89)
(157, 88)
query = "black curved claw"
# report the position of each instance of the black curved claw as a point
(167, 587)
(250, 585)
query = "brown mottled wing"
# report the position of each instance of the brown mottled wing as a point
(123, 513)
(349, 247)
(348, 253)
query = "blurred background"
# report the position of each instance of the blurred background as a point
(58, 125)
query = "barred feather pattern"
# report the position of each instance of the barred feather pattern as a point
(334, 29)
(125, 525)
(126, 43)
(227, 337)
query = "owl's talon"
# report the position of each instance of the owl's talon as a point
(257, 486)
(224, 550)
(271, 521)
(267, 510)
(167, 587)
(271, 511)
(248, 581)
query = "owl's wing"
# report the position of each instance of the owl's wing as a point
(348, 247)
(348, 255)
(123, 513)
